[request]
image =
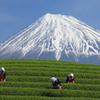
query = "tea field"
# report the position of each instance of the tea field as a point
(29, 79)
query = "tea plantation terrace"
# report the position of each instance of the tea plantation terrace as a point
(29, 79)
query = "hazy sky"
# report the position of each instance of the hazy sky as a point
(16, 15)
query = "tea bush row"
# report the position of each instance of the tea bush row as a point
(67, 70)
(48, 85)
(47, 79)
(53, 73)
(15, 91)
(43, 98)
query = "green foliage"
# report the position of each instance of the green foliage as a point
(29, 79)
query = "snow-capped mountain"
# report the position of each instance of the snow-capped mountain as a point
(55, 37)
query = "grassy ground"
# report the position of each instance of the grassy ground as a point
(30, 80)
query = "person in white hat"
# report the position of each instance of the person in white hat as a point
(70, 78)
(55, 82)
(2, 74)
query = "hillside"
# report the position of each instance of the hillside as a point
(30, 80)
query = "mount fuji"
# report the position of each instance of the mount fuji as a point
(55, 37)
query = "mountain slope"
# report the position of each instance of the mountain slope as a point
(56, 37)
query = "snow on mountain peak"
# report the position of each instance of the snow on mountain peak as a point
(55, 33)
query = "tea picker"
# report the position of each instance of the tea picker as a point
(56, 83)
(2, 74)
